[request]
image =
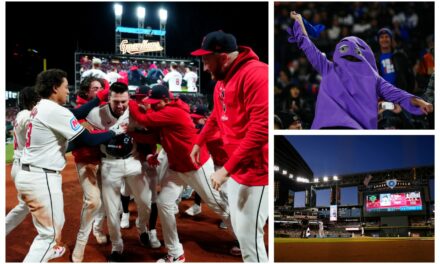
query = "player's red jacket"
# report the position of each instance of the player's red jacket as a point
(177, 133)
(241, 114)
(217, 150)
(89, 155)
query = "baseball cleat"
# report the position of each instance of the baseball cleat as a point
(187, 193)
(57, 251)
(125, 220)
(169, 258)
(194, 210)
(235, 250)
(154, 242)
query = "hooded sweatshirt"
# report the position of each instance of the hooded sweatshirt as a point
(241, 115)
(350, 86)
(177, 133)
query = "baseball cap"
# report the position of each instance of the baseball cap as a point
(157, 93)
(385, 31)
(199, 111)
(142, 91)
(216, 42)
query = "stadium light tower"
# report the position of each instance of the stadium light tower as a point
(163, 16)
(141, 18)
(118, 21)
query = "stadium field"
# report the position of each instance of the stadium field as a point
(361, 249)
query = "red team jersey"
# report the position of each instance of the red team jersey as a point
(177, 133)
(241, 114)
(89, 155)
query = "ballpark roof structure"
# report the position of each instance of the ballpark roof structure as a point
(290, 165)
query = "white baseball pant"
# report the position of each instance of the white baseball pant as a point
(172, 186)
(112, 171)
(249, 213)
(43, 195)
(92, 209)
(20, 211)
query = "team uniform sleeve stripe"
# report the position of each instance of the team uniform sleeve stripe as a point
(77, 134)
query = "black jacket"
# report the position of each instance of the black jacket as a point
(404, 74)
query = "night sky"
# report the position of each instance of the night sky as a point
(56, 30)
(339, 155)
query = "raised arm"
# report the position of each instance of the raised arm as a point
(298, 35)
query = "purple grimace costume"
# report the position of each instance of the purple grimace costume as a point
(351, 86)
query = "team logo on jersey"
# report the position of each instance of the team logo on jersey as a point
(74, 124)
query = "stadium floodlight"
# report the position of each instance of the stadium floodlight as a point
(118, 10)
(302, 179)
(325, 178)
(290, 176)
(276, 168)
(284, 172)
(140, 12)
(163, 15)
(316, 180)
(335, 178)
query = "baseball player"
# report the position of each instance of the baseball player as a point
(120, 161)
(147, 140)
(177, 133)
(191, 79)
(87, 160)
(95, 71)
(321, 233)
(200, 114)
(50, 128)
(174, 78)
(240, 114)
(28, 99)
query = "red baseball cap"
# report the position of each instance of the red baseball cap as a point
(217, 42)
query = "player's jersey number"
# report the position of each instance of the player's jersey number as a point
(28, 135)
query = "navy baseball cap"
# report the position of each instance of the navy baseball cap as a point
(199, 111)
(385, 31)
(143, 90)
(217, 42)
(157, 93)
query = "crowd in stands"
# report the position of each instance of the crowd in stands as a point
(410, 26)
(11, 113)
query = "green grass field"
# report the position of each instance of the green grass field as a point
(9, 153)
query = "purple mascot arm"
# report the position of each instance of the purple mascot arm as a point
(393, 94)
(314, 55)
